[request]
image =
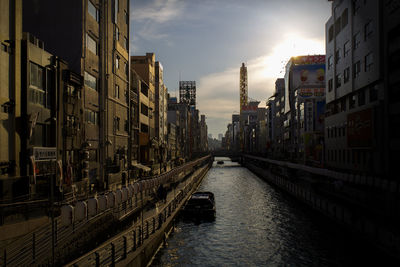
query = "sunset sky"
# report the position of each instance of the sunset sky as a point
(207, 40)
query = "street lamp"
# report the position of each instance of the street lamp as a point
(52, 178)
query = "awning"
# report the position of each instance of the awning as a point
(140, 166)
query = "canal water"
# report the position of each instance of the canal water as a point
(258, 225)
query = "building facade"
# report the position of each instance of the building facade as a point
(10, 97)
(354, 82)
(96, 46)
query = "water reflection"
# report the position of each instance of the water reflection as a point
(256, 225)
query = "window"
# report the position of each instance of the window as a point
(330, 85)
(352, 101)
(368, 30)
(373, 93)
(144, 109)
(330, 33)
(361, 98)
(116, 91)
(346, 75)
(338, 25)
(36, 75)
(338, 80)
(343, 105)
(90, 81)
(126, 69)
(116, 37)
(330, 62)
(144, 90)
(126, 17)
(91, 44)
(345, 18)
(369, 61)
(144, 128)
(346, 49)
(356, 40)
(126, 43)
(117, 62)
(337, 55)
(356, 69)
(126, 126)
(116, 123)
(93, 11)
(91, 117)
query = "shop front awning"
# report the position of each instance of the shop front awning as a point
(140, 166)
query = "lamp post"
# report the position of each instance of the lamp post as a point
(52, 178)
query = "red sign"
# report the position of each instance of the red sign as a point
(315, 59)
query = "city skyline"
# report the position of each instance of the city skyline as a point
(210, 44)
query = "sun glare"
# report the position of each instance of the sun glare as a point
(291, 46)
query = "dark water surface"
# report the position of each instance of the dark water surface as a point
(257, 225)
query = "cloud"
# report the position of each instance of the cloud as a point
(153, 16)
(158, 11)
(218, 93)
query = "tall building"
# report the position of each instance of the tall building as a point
(203, 134)
(243, 87)
(304, 108)
(187, 93)
(243, 91)
(355, 88)
(161, 113)
(275, 119)
(10, 96)
(145, 68)
(95, 43)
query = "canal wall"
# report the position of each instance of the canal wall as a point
(144, 255)
(369, 226)
(137, 245)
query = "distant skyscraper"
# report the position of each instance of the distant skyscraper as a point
(220, 136)
(187, 93)
(210, 136)
(243, 86)
(243, 90)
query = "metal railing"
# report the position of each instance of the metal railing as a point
(35, 248)
(133, 239)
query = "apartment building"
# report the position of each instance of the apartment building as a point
(95, 43)
(354, 83)
(144, 66)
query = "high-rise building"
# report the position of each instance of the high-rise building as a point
(95, 43)
(161, 113)
(187, 93)
(304, 108)
(243, 86)
(243, 92)
(355, 88)
(145, 68)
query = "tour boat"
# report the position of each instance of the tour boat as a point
(201, 205)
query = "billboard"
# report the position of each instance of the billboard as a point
(308, 76)
(310, 93)
(360, 129)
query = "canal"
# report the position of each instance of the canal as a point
(259, 225)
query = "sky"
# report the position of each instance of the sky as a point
(207, 41)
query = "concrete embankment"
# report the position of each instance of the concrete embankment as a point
(146, 252)
(374, 229)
